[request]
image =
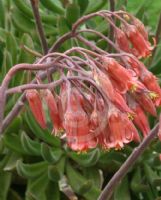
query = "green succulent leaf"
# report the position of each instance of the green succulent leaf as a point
(53, 6)
(83, 4)
(72, 13)
(56, 171)
(52, 191)
(11, 161)
(122, 190)
(95, 6)
(30, 146)
(36, 187)
(33, 170)
(152, 176)
(52, 155)
(5, 182)
(24, 56)
(86, 159)
(12, 141)
(79, 183)
(137, 184)
(12, 46)
(95, 175)
(45, 135)
(26, 9)
(2, 14)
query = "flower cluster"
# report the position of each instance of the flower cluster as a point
(103, 99)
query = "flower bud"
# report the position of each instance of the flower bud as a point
(36, 107)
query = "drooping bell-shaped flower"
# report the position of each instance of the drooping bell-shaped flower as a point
(76, 124)
(150, 81)
(54, 111)
(134, 64)
(114, 96)
(98, 121)
(139, 118)
(146, 103)
(121, 129)
(122, 40)
(36, 107)
(104, 82)
(135, 86)
(142, 46)
(140, 26)
(120, 102)
(120, 74)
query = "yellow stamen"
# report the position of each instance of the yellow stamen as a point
(133, 88)
(153, 95)
(118, 147)
(126, 17)
(82, 152)
(130, 116)
(58, 133)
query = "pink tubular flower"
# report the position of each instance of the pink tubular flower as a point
(120, 102)
(136, 86)
(140, 26)
(54, 112)
(121, 75)
(121, 128)
(114, 96)
(76, 124)
(122, 40)
(146, 103)
(139, 43)
(134, 64)
(104, 82)
(150, 81)
(140, 119)
(36, 107)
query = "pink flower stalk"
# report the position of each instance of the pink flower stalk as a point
(36, 107)
(63, 96)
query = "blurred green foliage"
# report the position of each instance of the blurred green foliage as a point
(34, 165)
